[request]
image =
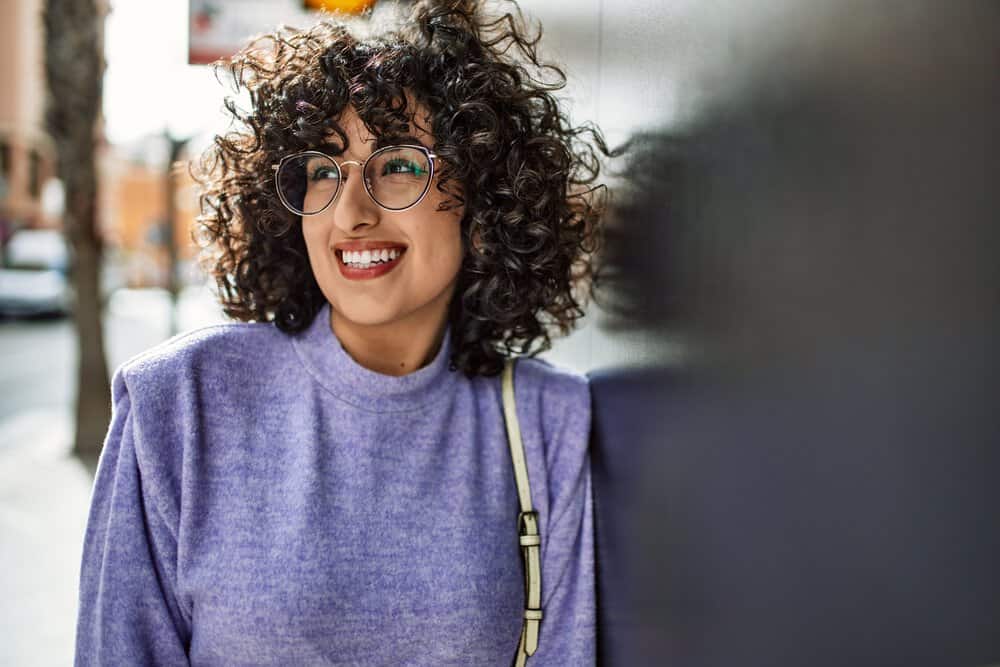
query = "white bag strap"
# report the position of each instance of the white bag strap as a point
(527, 524)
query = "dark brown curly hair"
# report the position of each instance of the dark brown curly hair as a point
(531, 224)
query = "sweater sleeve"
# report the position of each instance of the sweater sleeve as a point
(567, 635)
(128, 609)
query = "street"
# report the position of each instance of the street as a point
(45, 492)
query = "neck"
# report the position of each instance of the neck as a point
(393, 348)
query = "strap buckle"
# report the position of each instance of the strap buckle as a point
(527, 529)
(527, 523)
(531, 541)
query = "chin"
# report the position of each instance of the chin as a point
(370, 321)
(361, 315)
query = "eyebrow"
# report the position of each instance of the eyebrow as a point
(380, 142)
(387, 140)
(329, 148)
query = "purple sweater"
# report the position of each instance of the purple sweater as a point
(262, 499)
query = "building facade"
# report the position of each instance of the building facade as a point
(27, 155)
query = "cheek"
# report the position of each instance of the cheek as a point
(440, 261)
(451, 247)
(441, 245)
(316, 241)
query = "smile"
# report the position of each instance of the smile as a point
(367, 264)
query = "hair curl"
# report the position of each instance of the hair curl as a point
(530, 228)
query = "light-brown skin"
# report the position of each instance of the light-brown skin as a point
(393, 324)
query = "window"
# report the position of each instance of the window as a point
(4, 159)
(4, 171)
(34, 177)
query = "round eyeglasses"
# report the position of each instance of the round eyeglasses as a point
(395, 177)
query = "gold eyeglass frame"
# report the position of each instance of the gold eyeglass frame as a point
(431, 158)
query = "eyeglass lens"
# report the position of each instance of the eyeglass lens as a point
(395, 177)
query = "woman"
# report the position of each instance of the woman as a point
(329, 481)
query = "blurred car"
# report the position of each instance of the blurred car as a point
(33, 279)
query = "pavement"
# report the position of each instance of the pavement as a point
(44, 498)
(45, 490)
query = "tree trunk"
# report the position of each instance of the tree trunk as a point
(74, 69)
(176, 146)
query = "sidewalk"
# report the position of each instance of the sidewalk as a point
(44, 499)
(44, 490)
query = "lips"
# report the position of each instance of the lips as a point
(366, 245)
(372, 271)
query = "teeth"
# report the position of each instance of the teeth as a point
(366, 258)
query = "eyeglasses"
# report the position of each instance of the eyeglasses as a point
(395, 177)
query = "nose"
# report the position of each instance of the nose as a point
(353, 208)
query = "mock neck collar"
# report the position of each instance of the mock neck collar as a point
(330, 364)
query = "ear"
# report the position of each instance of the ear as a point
(476, 240)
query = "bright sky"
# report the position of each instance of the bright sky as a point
(149, 86)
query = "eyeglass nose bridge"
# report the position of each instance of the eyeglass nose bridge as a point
(340, 165)
(340, 181)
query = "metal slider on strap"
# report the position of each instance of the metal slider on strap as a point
(530, 542)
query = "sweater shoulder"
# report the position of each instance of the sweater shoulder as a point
(214, 349)
(559, 398)
(558, 387)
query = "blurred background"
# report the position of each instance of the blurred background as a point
(99, 101)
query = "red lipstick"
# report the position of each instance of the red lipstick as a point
(373, 270)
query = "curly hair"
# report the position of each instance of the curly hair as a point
(530, 228)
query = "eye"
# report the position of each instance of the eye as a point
(402, 166)
(322, 173)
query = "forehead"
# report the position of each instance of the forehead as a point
(361, 139)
